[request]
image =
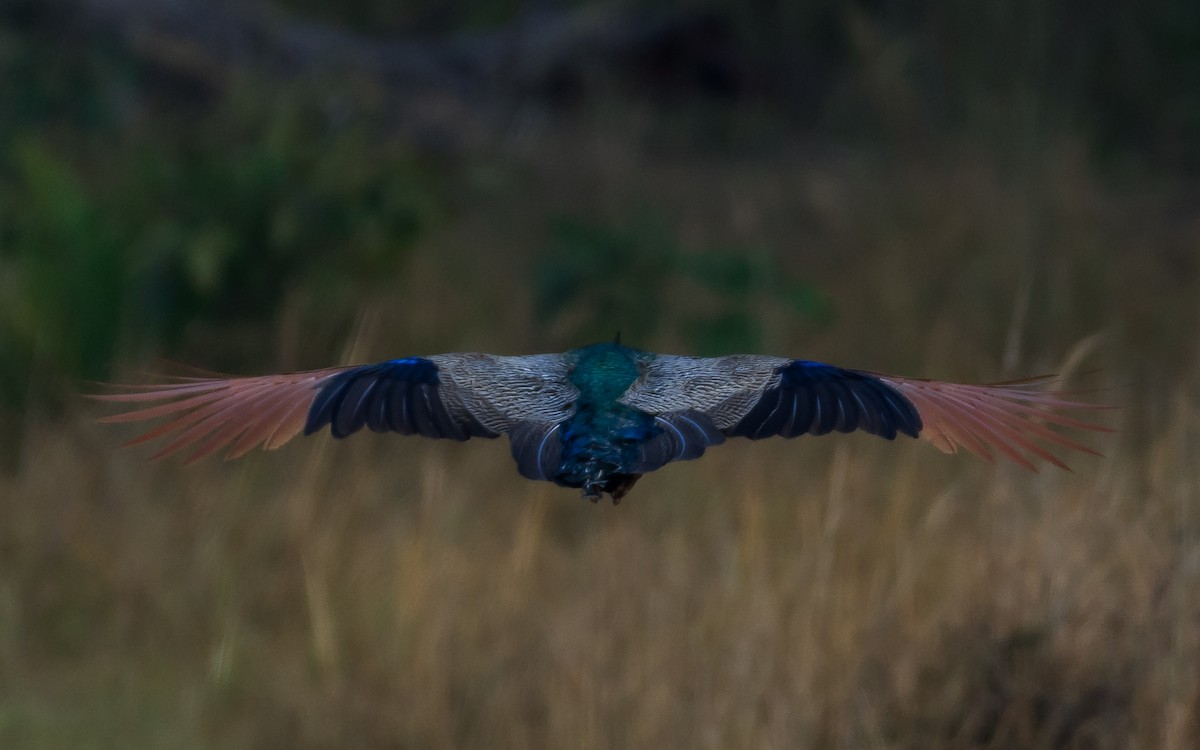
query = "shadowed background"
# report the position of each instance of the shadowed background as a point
(968, 193)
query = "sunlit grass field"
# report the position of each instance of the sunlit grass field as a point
(841, 592)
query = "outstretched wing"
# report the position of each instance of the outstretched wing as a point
(758, 397)
(455, 396)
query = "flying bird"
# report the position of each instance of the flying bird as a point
(599, 417)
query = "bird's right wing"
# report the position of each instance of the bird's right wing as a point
(758, 397)
(454, 396)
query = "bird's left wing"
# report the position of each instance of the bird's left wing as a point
(454, 396)
(757, 397)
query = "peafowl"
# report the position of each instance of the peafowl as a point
(599, 417)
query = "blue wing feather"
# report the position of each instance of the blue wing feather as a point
(400, 395)
(814, 398)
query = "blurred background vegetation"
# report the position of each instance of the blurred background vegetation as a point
(967, 191)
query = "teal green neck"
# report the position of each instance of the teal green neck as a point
(602, 372)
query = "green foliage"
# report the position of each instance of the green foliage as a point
(270, 202)
(590, 278)
(132, 231)
(220, 236)
(64, 269)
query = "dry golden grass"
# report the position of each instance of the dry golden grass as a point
(788, 595)
(832, 593)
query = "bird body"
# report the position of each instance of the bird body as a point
(602, 439)
(599, 417)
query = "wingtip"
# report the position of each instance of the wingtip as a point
(1021, 424)
(210, 416)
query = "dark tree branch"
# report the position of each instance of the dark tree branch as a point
(546, 54)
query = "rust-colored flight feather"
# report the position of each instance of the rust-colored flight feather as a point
(211, 414)
(1014, 419)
